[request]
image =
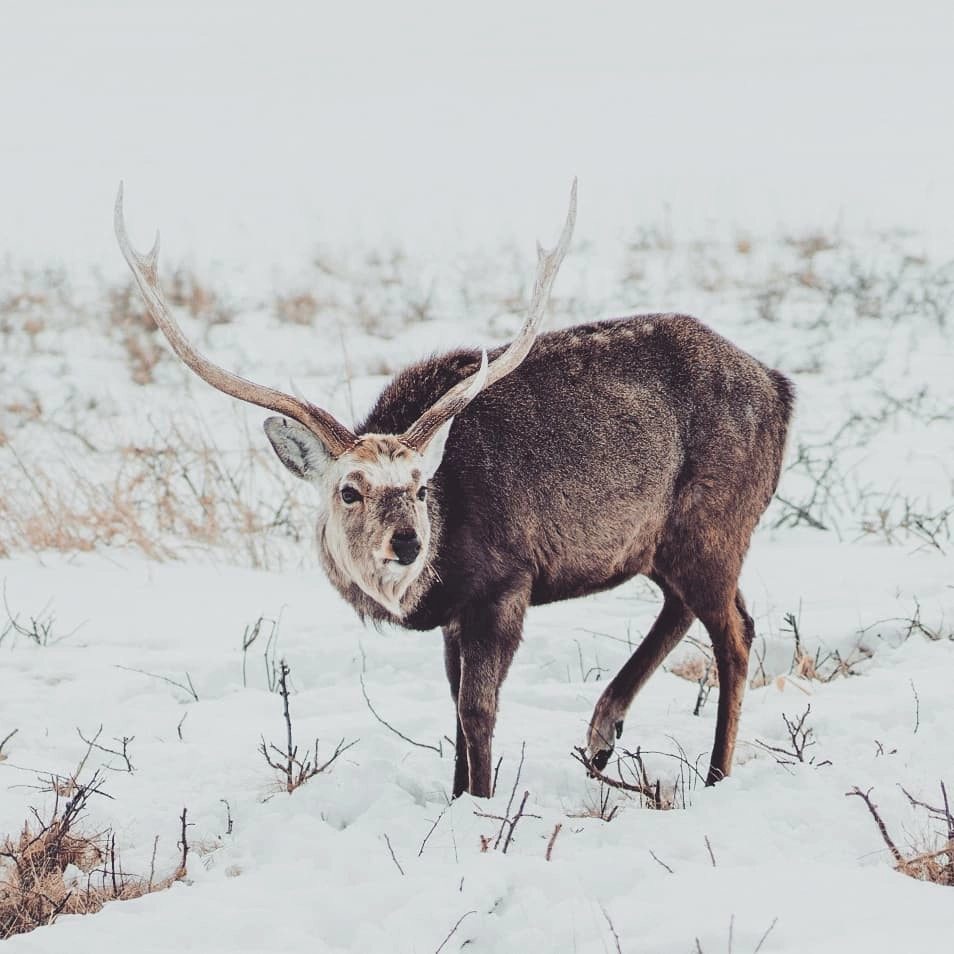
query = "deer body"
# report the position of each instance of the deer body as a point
(567, 464)
(647, 445)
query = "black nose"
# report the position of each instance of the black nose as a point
(406, 546)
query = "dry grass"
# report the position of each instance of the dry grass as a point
(162, 494)
(127, 314)
(936, 866)
(184, 289)
(696, 667)
(297, 309)
(932, 858)
(178, 486)
(52, 868)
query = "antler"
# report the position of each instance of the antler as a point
(461, 394)
(332, 433)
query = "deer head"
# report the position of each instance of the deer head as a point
(374, 520)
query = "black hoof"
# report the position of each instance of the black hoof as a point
(619, 728)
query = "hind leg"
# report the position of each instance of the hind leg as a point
(731, 631)
(606, 724)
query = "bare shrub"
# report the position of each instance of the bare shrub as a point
(800, 738)
(36, 885)
(933, 858)
(631, 777)
(510, 819)
(900, 518)
(295, 771)
(38, 629)
(822, 666)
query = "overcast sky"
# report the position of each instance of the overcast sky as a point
(250, 129)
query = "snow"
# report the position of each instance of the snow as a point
(396, 164)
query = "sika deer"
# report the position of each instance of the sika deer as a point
(566, 465)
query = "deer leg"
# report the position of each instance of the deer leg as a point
(731, 632)
(452, 667)
(606, 724)
(489, 636)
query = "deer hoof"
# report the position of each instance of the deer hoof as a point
(606, 727)
(599, 759)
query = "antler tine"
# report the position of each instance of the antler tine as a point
(458, 397)
(145, 268)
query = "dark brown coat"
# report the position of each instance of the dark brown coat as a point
(647, 445)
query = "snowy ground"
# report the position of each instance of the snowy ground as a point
(160, 589)
(145, 526)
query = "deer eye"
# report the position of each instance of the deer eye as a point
(422, 493)
(349, 495)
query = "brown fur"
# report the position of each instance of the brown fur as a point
(644, 445)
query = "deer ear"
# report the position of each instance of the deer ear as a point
(433, 454)
(297, 447)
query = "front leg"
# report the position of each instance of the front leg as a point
(452, 667)
(487, 638)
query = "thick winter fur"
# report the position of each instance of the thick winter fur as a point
(646, 445)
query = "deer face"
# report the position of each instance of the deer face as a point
(374, 522)
(374, 526)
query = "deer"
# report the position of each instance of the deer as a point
(558, 466)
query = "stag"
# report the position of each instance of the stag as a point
(480, 485)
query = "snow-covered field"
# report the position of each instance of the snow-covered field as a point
(145, 526)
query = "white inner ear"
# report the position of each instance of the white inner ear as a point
(433, 454)
(298, 448)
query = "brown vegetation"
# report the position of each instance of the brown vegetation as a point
(932, 859)
(36, 882)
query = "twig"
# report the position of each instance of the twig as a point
(799, 736)
(660, 861)
(771, 927)
(124, 741)
(452, 930)
(516, 818)
(493, 786)
(421, 745)
(865, 796)
(941, 813)
(6, 739)
(285, 670)
(580, 755)
(296, 771)
(228, 815)
(709, 849)
(556, 831)
(612, 928)
(190, 689)
(513, 793)
(184, 845)
(249, 635)
(917, 709)
(152, 863)
(704, 689)
(430, 830)
(393, 856)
